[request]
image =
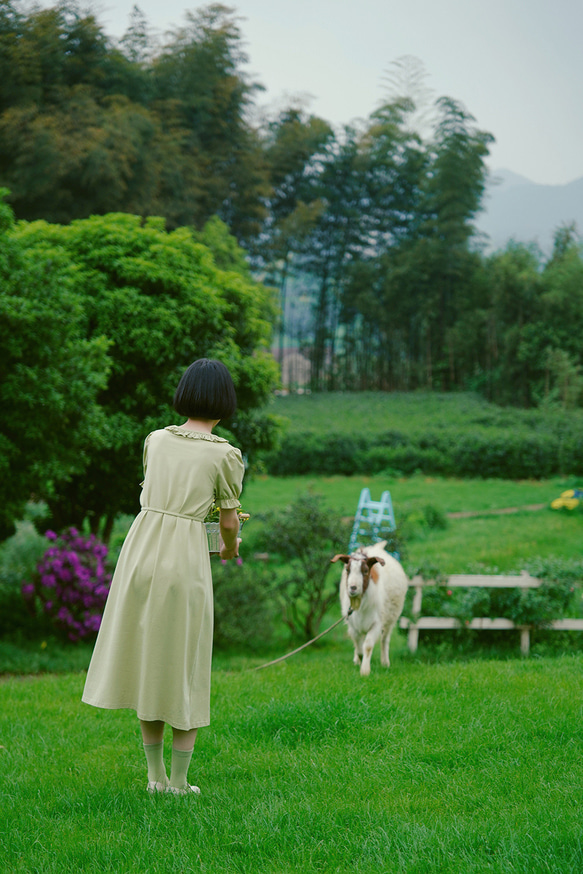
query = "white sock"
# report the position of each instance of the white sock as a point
(180, 762)
(155, 759)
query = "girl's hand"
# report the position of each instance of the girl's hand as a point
(227, 554)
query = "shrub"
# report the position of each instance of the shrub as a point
(305, 452)
(19, 556)
(554, 599)
(418, 519)
(71, 583)
(244, 608)
(306, 535)
(444, 435)
(21, 552)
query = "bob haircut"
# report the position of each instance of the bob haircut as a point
(205, 391)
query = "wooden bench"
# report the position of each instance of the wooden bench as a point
(523, 581)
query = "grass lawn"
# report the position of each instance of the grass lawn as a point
(505, 542)
(449, 494)
(410, 412)
(461, 767)
(502, 543)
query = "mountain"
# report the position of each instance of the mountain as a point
(516, 208)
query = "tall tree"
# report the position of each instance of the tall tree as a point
(432, 265)
(294, 146)
(160, 302)
(88, 127)
(51, 374)
(200, 73)
(337, 236)
(513, 333)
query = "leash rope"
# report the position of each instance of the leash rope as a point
(304, 645)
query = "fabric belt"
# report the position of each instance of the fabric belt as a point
(169, 513)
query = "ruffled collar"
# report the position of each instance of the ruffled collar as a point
(181, 431)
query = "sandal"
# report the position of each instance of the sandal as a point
(156, 786)
(188, 790)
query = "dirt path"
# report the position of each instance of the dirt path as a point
(467, 513)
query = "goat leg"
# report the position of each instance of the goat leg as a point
(385, 641)
(369, 642)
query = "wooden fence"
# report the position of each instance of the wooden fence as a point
(523, 581)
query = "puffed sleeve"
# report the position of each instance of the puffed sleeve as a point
(229, 480)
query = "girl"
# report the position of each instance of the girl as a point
(153, 651)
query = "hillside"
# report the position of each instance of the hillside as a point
(516, 208)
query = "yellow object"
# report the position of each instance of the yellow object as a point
(567, 500)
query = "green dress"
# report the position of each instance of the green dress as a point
(153, 651)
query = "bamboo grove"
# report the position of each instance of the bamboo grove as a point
(367, 231)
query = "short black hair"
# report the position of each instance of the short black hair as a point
(205, 391)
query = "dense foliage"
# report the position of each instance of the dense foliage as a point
(100, 319)
(147, 189)
(452, 435)
(366, 231)
(303, 537)
(89, 126)
(51, 373)
(558, 595)
(244, 612)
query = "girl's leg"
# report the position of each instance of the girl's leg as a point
(152, 732)
(184, 740)
(182, 749)
(153, 738)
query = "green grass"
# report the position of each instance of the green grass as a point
(40, 654)
(499, 543)
(411, 412)
(449, 494)
(505, 542)
(465, 767)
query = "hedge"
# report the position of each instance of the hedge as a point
(456, 451)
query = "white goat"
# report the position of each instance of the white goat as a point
(374, 585)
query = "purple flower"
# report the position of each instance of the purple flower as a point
(73, 560)
(74, 582)
(93, 623)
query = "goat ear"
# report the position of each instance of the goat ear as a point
(344, 558)
(373, 560)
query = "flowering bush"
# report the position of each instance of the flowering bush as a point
(71, 583)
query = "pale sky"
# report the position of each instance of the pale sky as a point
(516, 65)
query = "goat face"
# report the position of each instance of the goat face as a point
(358, 571)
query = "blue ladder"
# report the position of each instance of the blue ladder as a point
(372, 518)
